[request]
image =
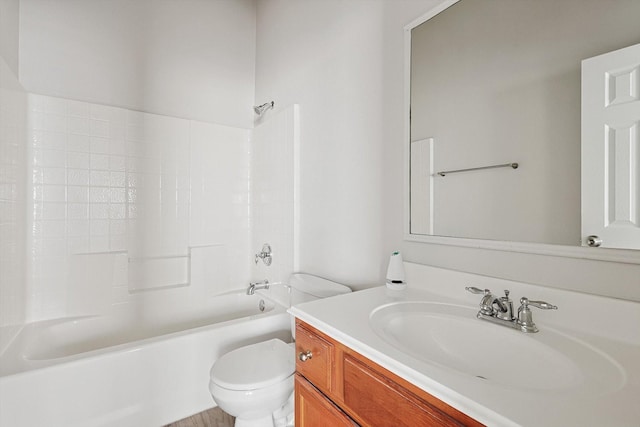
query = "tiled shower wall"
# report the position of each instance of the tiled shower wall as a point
(12, 200)
(274, 188)
(150, 202)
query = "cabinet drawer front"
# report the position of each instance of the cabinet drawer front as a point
(319, 356)
(315, 410)
(374, 398)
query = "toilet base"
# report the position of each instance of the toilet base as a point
(284, 417)
(255, 422)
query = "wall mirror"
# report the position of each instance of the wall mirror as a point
(494, 110)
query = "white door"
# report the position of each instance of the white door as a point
(611, 149)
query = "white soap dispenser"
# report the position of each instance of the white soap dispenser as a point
(395, 273)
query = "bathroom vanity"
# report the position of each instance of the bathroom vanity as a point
(421, 357)
(336, 386)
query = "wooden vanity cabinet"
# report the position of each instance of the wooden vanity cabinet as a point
(337, 386)
(313, 409)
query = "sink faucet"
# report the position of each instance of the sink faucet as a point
(254, 286)
(499, 310)
(490, 305)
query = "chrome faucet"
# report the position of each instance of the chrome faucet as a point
(490, 305)
(506, 307)
(499, 310)
(254, 286)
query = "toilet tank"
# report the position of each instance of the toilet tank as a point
(307, 287)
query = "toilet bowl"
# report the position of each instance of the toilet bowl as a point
(255, 383)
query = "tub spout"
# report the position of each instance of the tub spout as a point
(254, 286)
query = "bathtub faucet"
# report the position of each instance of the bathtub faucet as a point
(254, 286)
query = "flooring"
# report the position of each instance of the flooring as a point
(214, 417)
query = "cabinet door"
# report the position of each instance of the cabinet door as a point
(317, 365)
(380, 402)
(315, 410)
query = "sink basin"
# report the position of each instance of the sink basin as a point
(451, 337)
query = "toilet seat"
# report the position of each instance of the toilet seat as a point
(254, 366)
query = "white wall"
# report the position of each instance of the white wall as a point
(9, 24)
(12, 179)
(187, 58)
(343, 63)
(128, 165)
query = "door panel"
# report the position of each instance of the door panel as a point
(611, 148)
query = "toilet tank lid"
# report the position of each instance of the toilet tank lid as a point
(317, 286)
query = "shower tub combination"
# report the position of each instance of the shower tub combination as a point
(120, 371)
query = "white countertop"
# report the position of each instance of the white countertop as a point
(346, 319)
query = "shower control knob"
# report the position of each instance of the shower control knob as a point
(304, 356)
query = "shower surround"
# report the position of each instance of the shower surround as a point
(126, 202)
(140, 243)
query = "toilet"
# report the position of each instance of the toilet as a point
(255, 383)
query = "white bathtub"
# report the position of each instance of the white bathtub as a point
(103, 371)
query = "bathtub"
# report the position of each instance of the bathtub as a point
(128, 369)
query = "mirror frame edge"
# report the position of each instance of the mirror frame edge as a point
(581, 252)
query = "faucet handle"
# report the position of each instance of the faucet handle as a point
(538, 304)
(486, 304)
(525, 317)
(475, 290)
(265, 255)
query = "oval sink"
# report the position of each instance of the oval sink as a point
(451, 337)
